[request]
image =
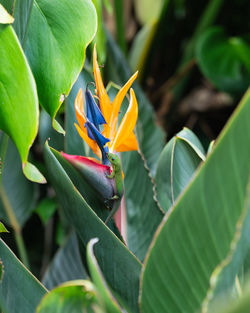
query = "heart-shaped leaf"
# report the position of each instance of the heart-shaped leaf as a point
(224, 61)
(58, 35)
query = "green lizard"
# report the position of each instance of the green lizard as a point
(117, 176)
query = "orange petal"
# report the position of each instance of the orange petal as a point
(128, 123)
(117, 104)
(92, 144)
(104, 100)
(128, 144)
(79, 109)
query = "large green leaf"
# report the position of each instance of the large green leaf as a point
(22, 17)
(225, 61)
(198, 238)
(66, 265)
(20, 193)
(20, 291)
(72, 297)
(119, 265)
(18, 97)
(176, 166)
(110, 302)
(58, 35)
(150, 136)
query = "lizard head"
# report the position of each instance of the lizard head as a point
(113, 158)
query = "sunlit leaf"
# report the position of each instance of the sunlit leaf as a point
(18, 91)
(71, 297)
(58, 35)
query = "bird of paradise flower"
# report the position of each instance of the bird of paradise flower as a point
(112, 138)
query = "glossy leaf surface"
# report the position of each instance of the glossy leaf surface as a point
(18, 97)
(58, 35)
(198, 238)
(22, 17)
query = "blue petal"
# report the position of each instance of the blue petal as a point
(94, 114)
(98, 137)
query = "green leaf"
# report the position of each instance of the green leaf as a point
(3, 230)
(5, 17)
(72, 297)
(20, 193)
(8, 5)
(18, 284)
(45, 209)
(99, 280)
(17, 91)
(58, 35)
(121, 268)
(32, 173)
(150, 135)
(143, 211)
(22, 17)
(224, 61)
(198, 238)
(176, 166)
(66, 264)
